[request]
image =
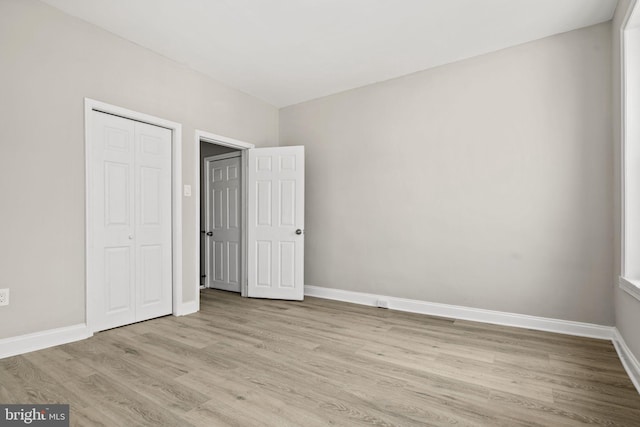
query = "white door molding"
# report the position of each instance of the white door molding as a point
(179, 307)
(629, 65)
(212, 138)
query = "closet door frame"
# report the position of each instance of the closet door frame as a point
(179, 307)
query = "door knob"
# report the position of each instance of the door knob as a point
(209, 233)
(298, 231)
(130, 236)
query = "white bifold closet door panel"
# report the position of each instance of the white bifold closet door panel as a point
(275, 217)
(131, 269)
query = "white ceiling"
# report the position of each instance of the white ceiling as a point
(289, 51)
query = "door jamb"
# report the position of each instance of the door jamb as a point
(223, 156)
(179, 307)
(211, 138)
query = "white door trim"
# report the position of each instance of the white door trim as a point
(223, 156)
(179, 307)
(203, 136)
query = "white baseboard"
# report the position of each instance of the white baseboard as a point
(629, 361)
(40, 340)
(467, 313)
(14, 346)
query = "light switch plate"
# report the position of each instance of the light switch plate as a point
(187, 191)
(4, 296)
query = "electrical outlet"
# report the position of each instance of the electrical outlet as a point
(4, 296)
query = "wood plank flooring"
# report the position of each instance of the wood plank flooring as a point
(246, 362)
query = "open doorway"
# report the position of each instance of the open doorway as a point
(271, 198)
(208, 145)
(220, 217)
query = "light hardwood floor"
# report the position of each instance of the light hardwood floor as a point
(246, 362)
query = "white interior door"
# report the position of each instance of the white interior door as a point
(223, 209)
(130, 221)
(275, 217)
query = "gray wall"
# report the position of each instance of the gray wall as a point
(207, 150)
(49, 62)
(484, 183)
(627, 308)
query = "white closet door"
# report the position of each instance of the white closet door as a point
(275, 212)
(130, 222)
(112, 193)
(152, 234)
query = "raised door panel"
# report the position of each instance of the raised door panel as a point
(233, 265)
(264, 259)
(287, 212)
(287, 258)
(218, 261)
(233, 209)
(150, 258)
(151, 197)
(118, 280)
(263, 206)
(117, 191)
